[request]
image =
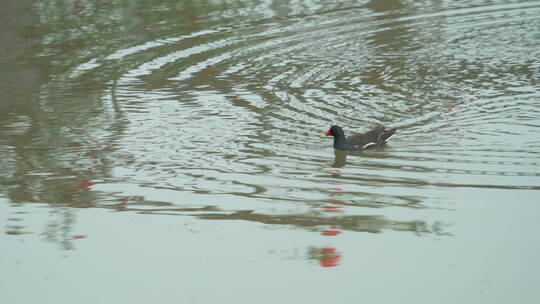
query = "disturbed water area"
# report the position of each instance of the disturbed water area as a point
(171, 151)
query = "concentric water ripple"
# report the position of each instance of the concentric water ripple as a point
(237, 110)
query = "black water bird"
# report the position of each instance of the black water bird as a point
(376, 137)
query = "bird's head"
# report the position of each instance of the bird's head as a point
(335, 131)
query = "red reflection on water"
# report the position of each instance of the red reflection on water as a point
(78, 236)
(329, 257)
(330, 232)
(85, 184)
(332, 208)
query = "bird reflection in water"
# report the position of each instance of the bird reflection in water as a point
(340, 158)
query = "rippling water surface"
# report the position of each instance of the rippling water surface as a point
(202, 122)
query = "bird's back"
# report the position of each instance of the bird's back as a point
(376, 136)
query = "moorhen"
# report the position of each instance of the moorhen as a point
(371, 139)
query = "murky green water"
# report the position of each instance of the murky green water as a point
(170, 152)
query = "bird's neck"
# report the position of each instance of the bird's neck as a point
(340, 142)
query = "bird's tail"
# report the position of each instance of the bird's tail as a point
(386, 134)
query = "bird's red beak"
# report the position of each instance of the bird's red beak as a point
(327, 132)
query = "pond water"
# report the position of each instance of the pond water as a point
(171, 151)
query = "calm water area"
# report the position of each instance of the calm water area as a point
(172, 151)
